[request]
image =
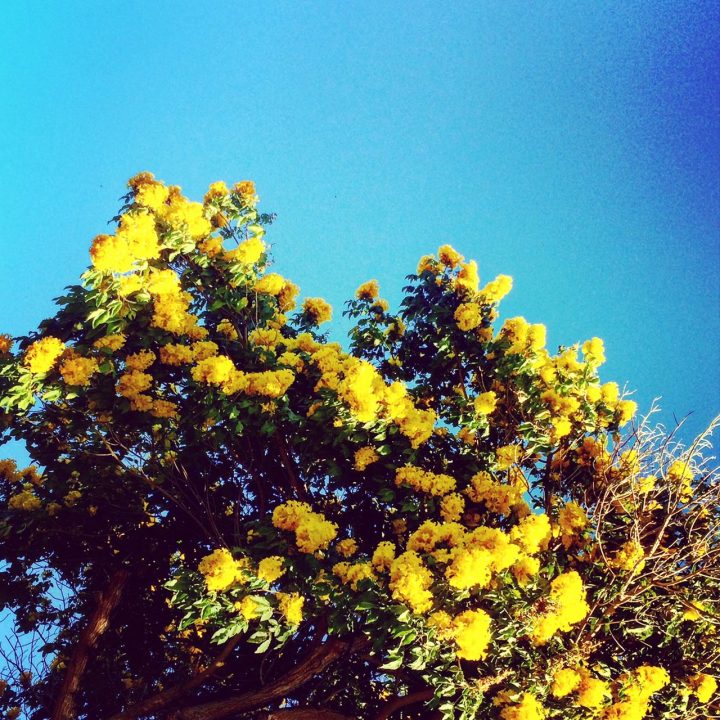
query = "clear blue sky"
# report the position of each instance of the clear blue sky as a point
(573, 145)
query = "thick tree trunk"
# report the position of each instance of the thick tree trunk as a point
(107, 600)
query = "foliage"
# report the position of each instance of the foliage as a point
(226, 513)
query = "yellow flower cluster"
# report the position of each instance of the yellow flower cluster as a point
(532, 533)
(508, 455)
(565, 681)
(291, 606)
(496, 289)
(680, 474)
(347, 547)
(704, 686)
(638, 687)
(383, 556)
(221, 570)
(485, 403)
(42, 354)
(572, 521)
(25, 500)
(629, 558)
(249, 607)
(471, 631)
(423, 481)
(78, 370)
(352, 573)
(365, 456)
(452, 507)
(410, 581)
(110, 342)
(498, 497)
(368, 290)
(468, 316)
(523, 337)
(271, 568)
(568, 606)
(247, 252)
(528, 708)
(312, 531)
(317, 310)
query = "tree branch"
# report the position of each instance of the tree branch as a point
(304, 713)
(164, 698)
(400, 702)
(316, 661)
(107, 600)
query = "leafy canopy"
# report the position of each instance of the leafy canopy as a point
(227, 513)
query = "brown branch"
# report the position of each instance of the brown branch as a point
(316, 662)
(400, 702)
(164, 698)
(107, 601)
(304, 713)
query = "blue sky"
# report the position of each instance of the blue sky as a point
(572, 145)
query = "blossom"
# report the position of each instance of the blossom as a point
(248, 251)
(471, 631)
(291, 606)
(410, 581)
(42, 354)
(424, 481)
(368, 290)
(271, 568)
(565, 681)
(78, 370)
(365, 456)
(219, 569)
(317, 310)
(529, 708)
(485, 403)
(468, 316)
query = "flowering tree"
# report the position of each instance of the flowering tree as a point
(228, 516)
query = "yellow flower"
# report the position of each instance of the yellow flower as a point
(485, 403)
(111, 254)
(449, 256)
(451, 507)
(271, 568)
(508, 455)
(410, 581)
(42, 354)
(368, 290)
(365, 456)
(471, 631)
(383, 556)
(468, 316)
(704, 686)
(78, 370)
(219, 569)
(497, 289)
(291, 606)
(529, 708)
(248, 251)
(347, 547)
(424, 481)
(594, 351)
(317, 310)
(564, 682)
(249, 607)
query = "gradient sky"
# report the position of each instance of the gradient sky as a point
(572, 145)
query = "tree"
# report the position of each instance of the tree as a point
(229, 516)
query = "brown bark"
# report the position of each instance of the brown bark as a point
(171, 695)
(400, 702)
(304, 713)
(64, 708)
(316, 661)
